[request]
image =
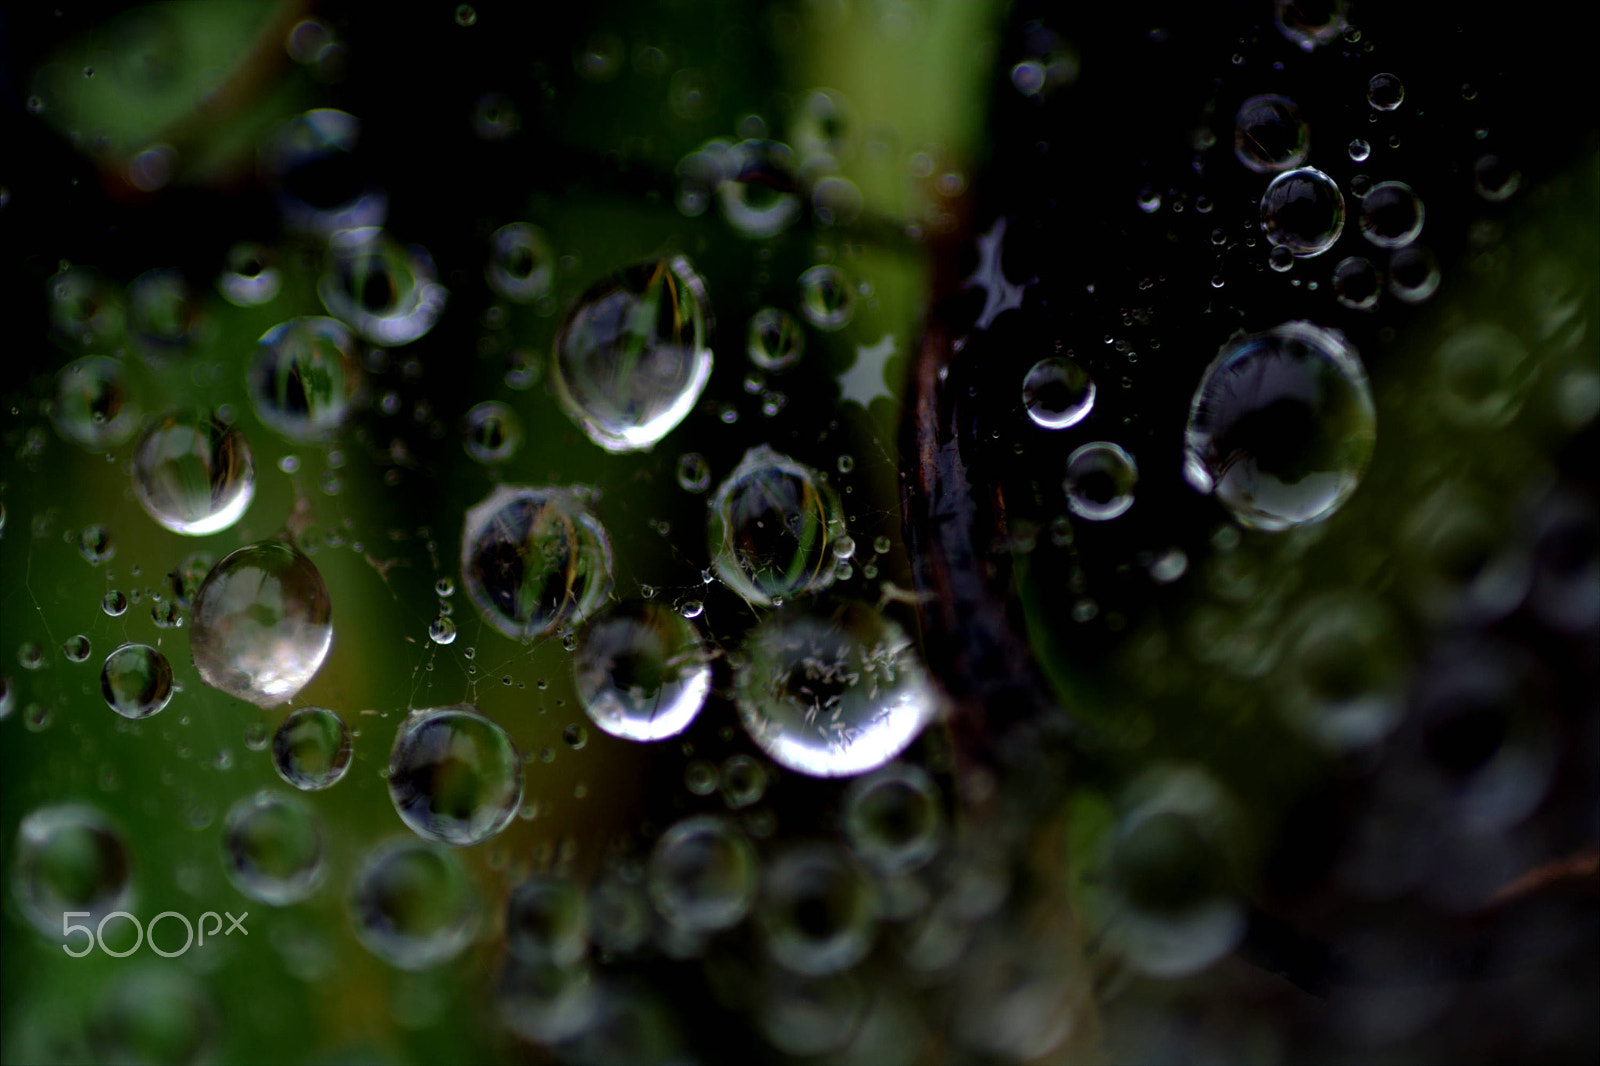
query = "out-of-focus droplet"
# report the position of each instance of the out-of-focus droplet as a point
(522, 262)
(305, 378)
(826, 299)
(272, 848)
(632, 355)
(96, 544)
(1484, 374)
(694, 473)
(1269, 135)
(818, 911)
(1309, 24)
(193, 473)
(414, 905)
(136, 681)
(75, 649)
(85, 309)
(493, 432)
(1057, 393)
(534, 559)
(776, 340)
(1391, 215)
(760, 194)
(641, 671)
(1356, 283)
(547, 921)
(771, 528)
(321, 188)
(703, 874)
(1343, 672)
(312, 749)
(1495, 179)
(70, 858)
(261, 626)
(1281, 426)
(1100, 481)
(1303, 211)
(454, 776)
(832, 690)
(894, 819)
(1413, 274)
(249, 279)
(743, 781)
(164, 316)
(384, 291)
(92, 407)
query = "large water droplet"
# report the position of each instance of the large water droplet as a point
(533, 559)
(1269, 134)
(1303, 211)
(379, 288)
(311, 749)
(136, 681)
(272, 848)
(1282, 426)
(771, 528)
(832, 690)
(305, 378)
(414, 905)
(92, 408)
(703, 874)
(70, 858)
(454, 776)
(193, 473)
(632, 354)
(261, 626)
(642, 671)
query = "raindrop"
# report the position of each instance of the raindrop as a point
(534, 559)
(92, 408)
(826, 299)
(703, 874)
(632, 355)
(1281, 426)
(1384, 92)
(193, 473)
(454, 776)
(894, 819)
(1100, 480)
(547, 921)
(1269, 134)
(414, 906)
(114, 603)
(522, 263)
(444, 587)
(1057, 393)
(770, 528)
(70, 859)
(76, 648)
(272, 848)
(759, 196)
(1356, 283)
(1359, 150)
(1413, 274)
(311, 749)
(1391, 215)
(1303, 211)
(96, 544)
(248, 279)
(743, 781)
(776, 340)
(261, 626)
(305, 378)
(163, 315)
(831, 690)
(136, 681)
(442, 630)
(493, 432)
(818, 912)
(1280, 258)
(379, 288)
(694, 473)
(1495, 179)
(641, 671)
(1307, 25)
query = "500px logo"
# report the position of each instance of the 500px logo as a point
(96, 936)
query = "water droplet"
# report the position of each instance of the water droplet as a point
(1359, 150)
(261, 627)
(534, 559)
(1391, 215)
(818, 912)
(1484, 374)
(384, 291)
(1384, 92)
(70, 858)
(894, 819)
(114, 603)
(1413, 274)
(641, 672)
(76, 648)
(311, 162)
(522, 263)
(770, 528)
(193, 473)
(1343, 672)
(826, 299)
(493, 432)
(272, 848)
(249, 279)
(305, 378)
(1356, 283)
(311, 749)
(703, 874)
(1495, 179)
(831, 690)
(454, 776)
(744, 782)
(96, 544)
(1169, 566)
(823, 127)
(700, 777)
(414, 906)
(1281, 426)
(1280, 259)
(92, 407)
(85, 308)
(1100, 480)
(776, 341)
(1303, 211)
(1269, 134)
(136, 681)
(164, 317)
(759, 193)
(465, 15)
(1057, 393)
(631, 357)
(1307, 25)
(547, 921)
